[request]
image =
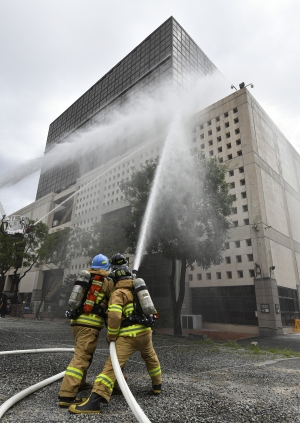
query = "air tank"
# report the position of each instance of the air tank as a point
(79, 289)
(144, 296)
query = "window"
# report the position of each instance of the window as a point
(236, 223)
(238, 142)
(228, 145)
(251, 273)
(228, 260)
(232, 185)
(242, 181)
(208, 276)
(199, 276)
(235, 110)
(190, 277)
(248, 242)
(246, 221)
(226, 114)
(245, 208)
(219, 139)
(236, 120)
(218, 128)
(220, 150)
(239, 259)
(209, 132)
(228, 135)
(218, 118)
(234, 210)
(244, 194)
(229, 157)
(239, 153)
(201, 126)
(202, 146)
(237, 244)
(231, 172)
(201, 136)
(240, 273)
(209, 123)
(219, 276)
(250, 257)
(210, 142)
(227, 125)
(237, 131)
(220, 159)
(233, 197)
(211, 153)
(227, 245)
(229, 275)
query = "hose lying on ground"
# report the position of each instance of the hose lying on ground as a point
(135, 408)
(36, 351)
(13, 400)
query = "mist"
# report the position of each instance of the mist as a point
(143, 112)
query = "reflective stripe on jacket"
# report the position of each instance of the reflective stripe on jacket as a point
(91, 319)
(121, 306)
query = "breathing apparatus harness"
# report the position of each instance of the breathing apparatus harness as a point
(82, 298)
(144, 312)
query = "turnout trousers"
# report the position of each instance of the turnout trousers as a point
(86, 340)
(125, 347)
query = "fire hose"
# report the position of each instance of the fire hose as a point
(135, 408)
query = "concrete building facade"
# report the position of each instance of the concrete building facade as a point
(256, 288)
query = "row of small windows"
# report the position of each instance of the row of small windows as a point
(244, 209)
(233, 185)
(219, 139)
(237, 244)
(229, 275)
(226, 114)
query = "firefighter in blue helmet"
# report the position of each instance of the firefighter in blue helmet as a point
(130, 336)
(86, 322)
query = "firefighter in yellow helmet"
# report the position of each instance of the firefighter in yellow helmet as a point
(86, 322)
(130, 337)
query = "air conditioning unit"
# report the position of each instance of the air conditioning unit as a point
(191, 321)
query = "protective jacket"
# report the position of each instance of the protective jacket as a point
(120, 307)
(95, 305)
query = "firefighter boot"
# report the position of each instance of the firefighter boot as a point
(65, 402)
(90, 406)
(156, 389)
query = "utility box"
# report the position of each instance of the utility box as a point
(191, 321)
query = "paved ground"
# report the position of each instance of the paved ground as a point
(203, 382)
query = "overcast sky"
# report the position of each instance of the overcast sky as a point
(52, 51)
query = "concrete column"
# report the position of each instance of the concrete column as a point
(268, 311)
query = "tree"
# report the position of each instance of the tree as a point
(24, 252)
(56, 253)
(190, 216)
(6, 257)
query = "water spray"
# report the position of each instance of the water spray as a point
(17, 225)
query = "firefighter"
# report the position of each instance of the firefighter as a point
(129, 338)
(85, 330)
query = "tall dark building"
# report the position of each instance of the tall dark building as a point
(168, 53)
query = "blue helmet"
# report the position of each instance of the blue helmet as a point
(100, 262)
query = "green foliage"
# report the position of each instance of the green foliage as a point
(60, 247)
(231, 344)
(190, 215)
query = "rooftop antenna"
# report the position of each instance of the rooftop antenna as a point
(242, 85)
